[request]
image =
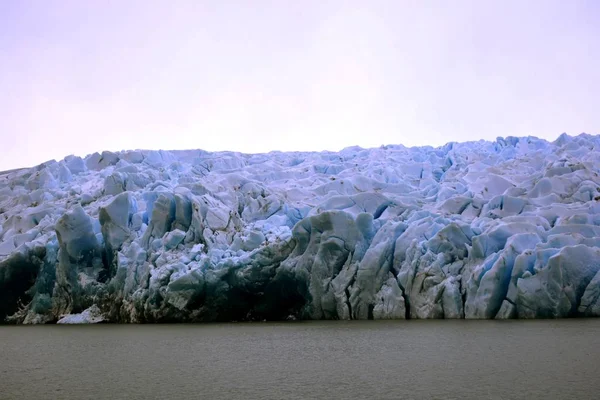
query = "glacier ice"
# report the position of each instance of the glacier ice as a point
(478, 230)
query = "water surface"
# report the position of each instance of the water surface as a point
(304, 360)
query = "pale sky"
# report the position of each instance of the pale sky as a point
(82, 76)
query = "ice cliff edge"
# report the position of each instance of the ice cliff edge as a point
(504, 229)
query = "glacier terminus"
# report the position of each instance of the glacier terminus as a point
(476, 230)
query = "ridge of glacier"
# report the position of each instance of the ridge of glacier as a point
(503, 229)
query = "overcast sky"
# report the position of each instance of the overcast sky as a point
(254, 76)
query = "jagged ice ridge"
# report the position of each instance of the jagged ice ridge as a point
(504, 229)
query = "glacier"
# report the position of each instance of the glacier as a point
(476, 230)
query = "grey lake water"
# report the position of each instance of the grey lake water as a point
(557, 359)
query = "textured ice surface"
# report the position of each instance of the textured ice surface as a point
(504, 229)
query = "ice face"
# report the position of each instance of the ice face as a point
(504, 229)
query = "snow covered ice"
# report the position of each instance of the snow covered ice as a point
(504, 229)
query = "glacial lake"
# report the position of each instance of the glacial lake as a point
(544, 359)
